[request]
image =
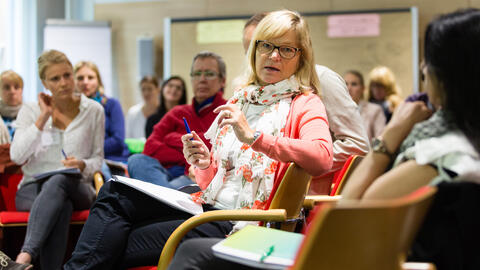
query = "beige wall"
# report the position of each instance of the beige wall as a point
(131, 20)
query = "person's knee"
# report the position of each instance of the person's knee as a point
(59, 182)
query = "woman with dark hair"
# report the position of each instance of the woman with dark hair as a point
(444, 147)
(137, 115)
(173, 93)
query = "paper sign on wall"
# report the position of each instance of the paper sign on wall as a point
(355, 25)
(222, 31)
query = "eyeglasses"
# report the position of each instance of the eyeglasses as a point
(285, 52)
(209, 74)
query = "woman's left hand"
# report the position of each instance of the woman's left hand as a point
(72, 162)
(231, 115)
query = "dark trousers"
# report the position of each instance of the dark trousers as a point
(197, 254)
(127, 228)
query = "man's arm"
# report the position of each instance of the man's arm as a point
(349, 134)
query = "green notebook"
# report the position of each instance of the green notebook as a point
(260, 247)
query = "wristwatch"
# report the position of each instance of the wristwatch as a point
(378, 146)
(256, 135)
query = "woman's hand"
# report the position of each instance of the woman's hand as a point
(46, 108)
(195, 151)
(404, 118)
(231, 115)
(45, 104)
(72, 162)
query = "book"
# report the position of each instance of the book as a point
(260, 247)
(71, 171)
(174, 198)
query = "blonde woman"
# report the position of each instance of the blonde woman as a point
(63, 129)
(383, 90)
(276, 118)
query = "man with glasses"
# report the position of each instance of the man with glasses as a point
(162, 161)
(349, 134)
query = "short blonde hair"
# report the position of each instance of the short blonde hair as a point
(12, 76)
(48, 58)
(384, 76)
(93, 67)
(277, 24)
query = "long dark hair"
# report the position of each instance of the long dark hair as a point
(183, 100)
(452, 54)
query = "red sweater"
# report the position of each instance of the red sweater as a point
(165, 144)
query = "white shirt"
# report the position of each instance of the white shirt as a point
(449, 152)
(136, 122)
(41, 150)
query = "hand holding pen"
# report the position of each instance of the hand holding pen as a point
(72, 162)
(194, 149)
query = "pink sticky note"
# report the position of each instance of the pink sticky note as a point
(355, 25)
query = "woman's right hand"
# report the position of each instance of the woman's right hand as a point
(45, 103)
(404, 118)
(195, 151)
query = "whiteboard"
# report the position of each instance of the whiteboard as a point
(83, 41)
(395, 46)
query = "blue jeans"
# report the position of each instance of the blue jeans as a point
(148, 169)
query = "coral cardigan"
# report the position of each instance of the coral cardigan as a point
(306, 141)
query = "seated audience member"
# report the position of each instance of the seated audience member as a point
(162, 161)
(89, 82)
(349, 135)
(137, 115)
(372, 114)
(173, 92)
(423, 158)
(11, 85)
(383, 90)
(61, 130)
(277, 117)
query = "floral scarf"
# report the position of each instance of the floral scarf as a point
(237, 161)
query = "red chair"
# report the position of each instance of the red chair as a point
(10, 218)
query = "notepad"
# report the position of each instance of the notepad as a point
(69, 171)
(251, 243)
(174, 198)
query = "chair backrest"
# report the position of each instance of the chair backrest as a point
(8, 190)
(291, 193)
(344, 174)
(363, 235)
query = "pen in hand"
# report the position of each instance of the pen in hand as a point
(187, 127)
(63, 153)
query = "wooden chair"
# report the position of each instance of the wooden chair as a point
(338, 184)
(285, 207)
(360, 235)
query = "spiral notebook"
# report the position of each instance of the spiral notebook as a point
(260, 247)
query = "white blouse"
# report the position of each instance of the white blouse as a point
(41, 150)
(136, 121)
(451, 152)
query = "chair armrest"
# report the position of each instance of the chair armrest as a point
(418, 266)
(311, 200)
(98, 181)
(217, 215)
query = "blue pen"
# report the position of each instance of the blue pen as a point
(65, 155)
(187, 127)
